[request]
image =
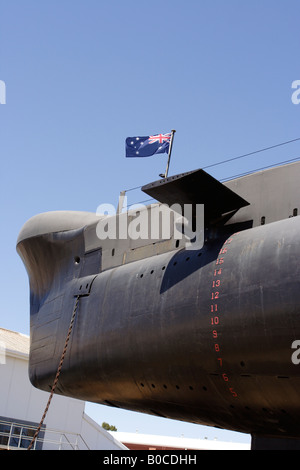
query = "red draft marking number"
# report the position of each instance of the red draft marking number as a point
(215, 309)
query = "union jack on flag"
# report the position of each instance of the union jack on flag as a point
(147, 146)
(159, 138)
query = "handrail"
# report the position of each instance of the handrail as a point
(19, 434)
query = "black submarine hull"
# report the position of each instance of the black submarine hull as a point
(197, 335)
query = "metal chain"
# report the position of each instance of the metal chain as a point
(57, 374)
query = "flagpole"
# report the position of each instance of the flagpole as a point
(169, 155)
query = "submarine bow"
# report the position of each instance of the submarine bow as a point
(202, 335)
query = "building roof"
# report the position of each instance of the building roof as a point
(14, 343)
(177, 442)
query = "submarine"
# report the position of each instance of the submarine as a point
(202, 333)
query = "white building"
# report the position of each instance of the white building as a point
(66, 425)
(136, 441)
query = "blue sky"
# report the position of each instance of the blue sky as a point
(81, 76)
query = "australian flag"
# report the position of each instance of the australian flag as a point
(147, 145)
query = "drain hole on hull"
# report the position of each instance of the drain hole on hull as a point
(165, 387)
